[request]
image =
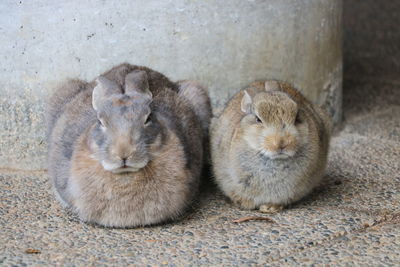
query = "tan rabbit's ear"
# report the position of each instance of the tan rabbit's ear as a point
(137, 83)
(103, 88)
(246, 103)
(271, 86)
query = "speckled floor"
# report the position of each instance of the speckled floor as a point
(353, 218)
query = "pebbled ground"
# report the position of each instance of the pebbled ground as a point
(353, 218)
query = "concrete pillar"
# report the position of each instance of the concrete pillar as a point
(223, 44)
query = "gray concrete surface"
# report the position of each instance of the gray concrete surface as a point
(352, 219)
(223, 44)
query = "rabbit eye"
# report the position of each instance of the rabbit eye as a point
(298, 119)
(258, 119)
(148, 119)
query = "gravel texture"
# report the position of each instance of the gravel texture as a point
(353, 218)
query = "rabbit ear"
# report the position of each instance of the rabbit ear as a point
(246, 103)
(271, 86)
(104, 88)
(137, 83)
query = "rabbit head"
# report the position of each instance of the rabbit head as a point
(273, 124)
(126, 129)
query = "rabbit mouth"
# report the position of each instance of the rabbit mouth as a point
(276, 155)
(125, 169)
(128, 168)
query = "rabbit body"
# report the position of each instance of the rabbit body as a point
(269, 146)
(127, 150)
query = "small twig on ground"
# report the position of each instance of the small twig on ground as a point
(32, 251)
(253, 218)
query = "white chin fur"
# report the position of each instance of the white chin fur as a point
(118, 168)
(272, 155)
(108, 166)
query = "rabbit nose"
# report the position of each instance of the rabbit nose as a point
(282, 144)
(278, 144)
(123, 148)
(126, 154)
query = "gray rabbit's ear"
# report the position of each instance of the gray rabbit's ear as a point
(271, 86)
(137, 83)
(246, 103)
(102, 90)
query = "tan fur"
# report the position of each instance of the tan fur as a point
(126, 150)
(276, 142)
(122, 102)
(273, 162)
(160, 189)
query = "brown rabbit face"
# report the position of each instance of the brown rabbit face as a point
(273, 125)
(125, 133)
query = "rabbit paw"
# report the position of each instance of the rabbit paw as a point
(270, 208)
(242, 202)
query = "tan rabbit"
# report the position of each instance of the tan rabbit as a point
(127, 149)
(269, 146)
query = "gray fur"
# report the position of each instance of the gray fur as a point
(137, 83)
(131, 155)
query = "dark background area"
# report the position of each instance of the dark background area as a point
(371, 84)
(371, 39)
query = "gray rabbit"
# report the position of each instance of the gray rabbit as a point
(126, 150)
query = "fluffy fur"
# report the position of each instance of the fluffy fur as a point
(126, 150)
(269, 146)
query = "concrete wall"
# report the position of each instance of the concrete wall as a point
(223, 44)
